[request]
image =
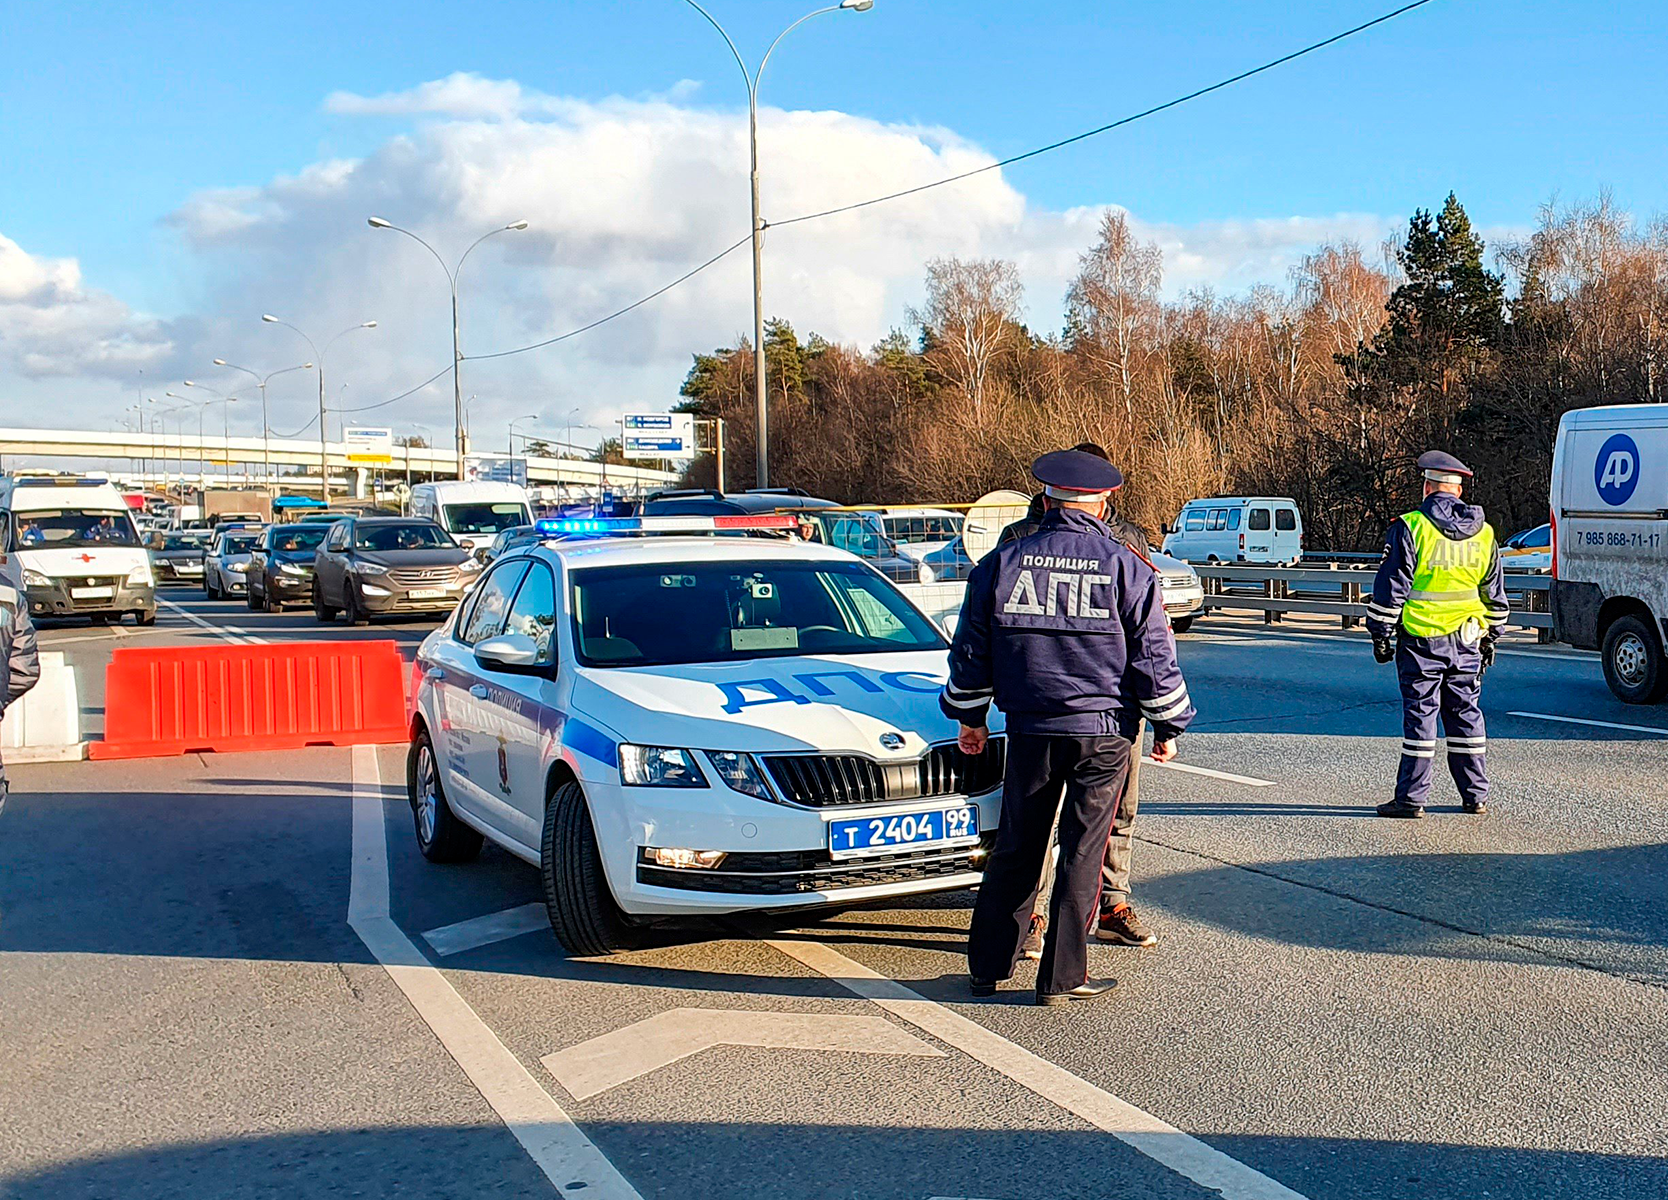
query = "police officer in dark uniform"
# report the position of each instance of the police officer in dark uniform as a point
(1065, 631)
(1440, 593)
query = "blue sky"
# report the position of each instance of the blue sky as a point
(116, 118)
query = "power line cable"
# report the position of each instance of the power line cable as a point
(1119, 123)
(684, 278)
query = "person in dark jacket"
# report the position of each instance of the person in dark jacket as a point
(1063, 630)
(1441, 594)
(19, 659)
(1118, 921)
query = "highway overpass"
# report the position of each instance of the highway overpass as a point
(174, 455)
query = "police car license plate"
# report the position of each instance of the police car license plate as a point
(94, 593)
(857, 836)
(426, 593)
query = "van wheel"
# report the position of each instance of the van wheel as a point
(582, 910)
(145, 616)
(440, 835)
(1633, 661)
(1181, 624)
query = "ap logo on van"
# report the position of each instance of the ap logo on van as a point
(1616, 470)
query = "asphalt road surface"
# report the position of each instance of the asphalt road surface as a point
(1339, 1006)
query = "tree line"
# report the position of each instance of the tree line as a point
(1324, 388)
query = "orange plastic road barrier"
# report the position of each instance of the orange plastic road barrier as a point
(184, 699)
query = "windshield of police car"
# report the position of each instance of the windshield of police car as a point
(665, 614)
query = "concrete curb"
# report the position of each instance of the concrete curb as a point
(44, 754)
(44, 725)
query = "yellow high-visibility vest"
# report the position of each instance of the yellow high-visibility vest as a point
(1446, 578)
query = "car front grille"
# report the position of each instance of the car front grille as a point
(423, 576)
(828, 780)
(1178, 581)
(793, 872)
(75, 582)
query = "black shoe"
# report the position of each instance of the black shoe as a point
(1087, 990)
(1474, 807)
(1400, 808)
(982, 987)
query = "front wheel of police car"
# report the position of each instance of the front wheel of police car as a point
(582, 910)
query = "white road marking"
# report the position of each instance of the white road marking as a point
(593, 1067)
(570, 1160)
(230, 632)
(1658, 730)
(1223, 775)
(1180, 1152)
(483, 931)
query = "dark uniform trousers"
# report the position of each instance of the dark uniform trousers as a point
(1440, 675)
(1092, 768)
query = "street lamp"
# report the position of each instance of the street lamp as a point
(318, 357)
(514, 423)
(761, 452)
(452, 279)
(266, 430)
(225, 420)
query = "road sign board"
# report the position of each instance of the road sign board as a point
(495, 468)
(369, 445)
(658, 435)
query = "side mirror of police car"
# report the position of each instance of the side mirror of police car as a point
(508, 652)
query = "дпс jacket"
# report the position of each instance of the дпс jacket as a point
(1065, 631)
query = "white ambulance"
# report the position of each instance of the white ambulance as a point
(1610, 543)
(79, 552)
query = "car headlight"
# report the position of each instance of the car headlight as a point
(470, 564)
(366, 568)
(140, 576)
(924, 573)
(35, 579)
(238, 568)
(659, 766)
(740, 772)
(292, 569)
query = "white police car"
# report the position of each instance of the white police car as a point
(682, 725)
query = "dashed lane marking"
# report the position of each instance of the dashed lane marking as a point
(231, 633)
(1189, 769)
(483, 931)
(600, 1063)
(1180, 1152)
(1660, 732)
(569, 1159)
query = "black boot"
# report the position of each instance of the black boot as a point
(1400, 808)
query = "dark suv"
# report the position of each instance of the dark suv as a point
(854, 531)
(281, 566)
(376, 566)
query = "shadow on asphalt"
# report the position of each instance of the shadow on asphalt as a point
(713, 1160)
(1606, 909)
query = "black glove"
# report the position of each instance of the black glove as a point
(1486, 649)
(1383, 648)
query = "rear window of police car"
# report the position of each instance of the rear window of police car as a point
(661, 614)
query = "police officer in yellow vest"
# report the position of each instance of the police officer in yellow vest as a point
(1440, 593)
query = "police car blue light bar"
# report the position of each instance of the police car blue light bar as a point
(606, 526)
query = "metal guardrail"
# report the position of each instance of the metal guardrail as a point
(1341, 590)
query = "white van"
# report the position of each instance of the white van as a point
(79, 552)
(473, 513)
(921, 531)
(1237, 529)
(1610, 543)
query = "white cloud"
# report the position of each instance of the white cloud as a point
(623, 195)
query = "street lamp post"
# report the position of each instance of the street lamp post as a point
(266, 429)
(452, 280)
(225, 420)
(318, 358)
(761, 454)
(514, 423)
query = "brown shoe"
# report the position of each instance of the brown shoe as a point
(1122, 926)
(1031, 947)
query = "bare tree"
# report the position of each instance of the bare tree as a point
(969, 320)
